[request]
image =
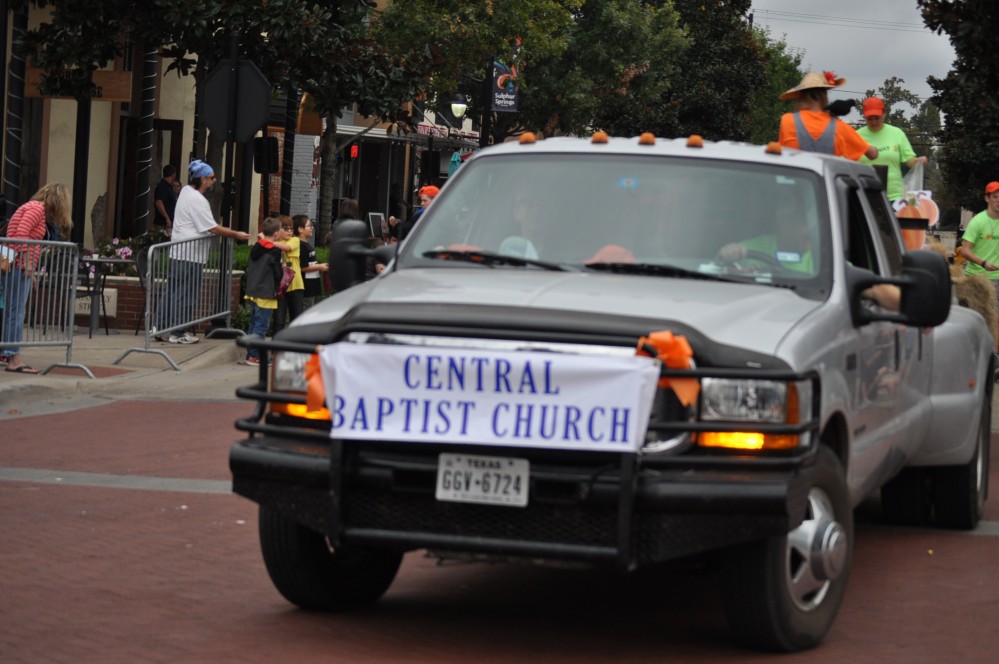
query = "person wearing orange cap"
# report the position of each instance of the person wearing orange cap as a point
(980, 242)
(402, 228)
(812, 129)
(893, 146)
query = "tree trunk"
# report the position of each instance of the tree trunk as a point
(327, 179)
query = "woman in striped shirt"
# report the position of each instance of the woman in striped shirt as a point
(51, 203)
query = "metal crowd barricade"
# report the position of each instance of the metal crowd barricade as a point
(186, 283)
(49, 295)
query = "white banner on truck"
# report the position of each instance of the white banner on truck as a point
(479, 397)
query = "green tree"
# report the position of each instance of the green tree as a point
(78, 38)
(353, 66)
(619, 61)
(782, 66)
(325, 49)
(465, 38)
(894, 95)
(711, 94)
(969, 140)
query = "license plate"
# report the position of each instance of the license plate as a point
(490, 480)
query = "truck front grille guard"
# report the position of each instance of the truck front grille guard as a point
(628, 469)
(260, 392)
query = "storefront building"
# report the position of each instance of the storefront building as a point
(380, 166)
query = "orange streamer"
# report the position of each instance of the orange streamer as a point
(315, 396)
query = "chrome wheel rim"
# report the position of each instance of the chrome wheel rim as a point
(816, 553)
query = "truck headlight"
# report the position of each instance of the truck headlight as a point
(289, 371)
(743, 400)
(754, 401)
(288, 374)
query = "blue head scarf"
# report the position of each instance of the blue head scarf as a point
(199, 169)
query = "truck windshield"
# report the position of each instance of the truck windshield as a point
(593, 212)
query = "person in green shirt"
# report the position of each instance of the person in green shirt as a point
(980, 242)
(788, 246)
(893, 146)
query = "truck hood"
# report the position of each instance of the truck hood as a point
(747, 316)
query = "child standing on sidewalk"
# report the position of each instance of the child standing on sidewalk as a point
(263, 275)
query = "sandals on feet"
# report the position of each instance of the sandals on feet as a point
(23, 369)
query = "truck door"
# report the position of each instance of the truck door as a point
(914, 366)
(874, 365)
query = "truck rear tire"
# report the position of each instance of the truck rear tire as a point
(783, 593)
(959, 492)
(905, 499)
(311, 573)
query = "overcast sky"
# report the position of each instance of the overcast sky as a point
(864, 41)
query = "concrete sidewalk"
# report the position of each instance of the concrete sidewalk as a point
(211, 369)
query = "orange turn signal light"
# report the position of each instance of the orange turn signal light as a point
(747, 440)
(299, 410)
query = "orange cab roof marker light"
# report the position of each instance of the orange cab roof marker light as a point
(528, 138)
(773, 147)
(647, 138)
(695, 141)
(600, 137)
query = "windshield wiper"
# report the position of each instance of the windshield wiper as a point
(490, 258)
(655, 270)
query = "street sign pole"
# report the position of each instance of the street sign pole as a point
(236, 107)
(230, 133)
(236, 97)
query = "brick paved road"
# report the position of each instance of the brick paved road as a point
(102, 560)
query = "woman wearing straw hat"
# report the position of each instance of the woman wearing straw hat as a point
(812, 129)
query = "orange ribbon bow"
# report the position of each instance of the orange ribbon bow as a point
(675, 352)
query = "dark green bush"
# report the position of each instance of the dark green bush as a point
(241, 257)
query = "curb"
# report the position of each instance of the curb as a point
(206, 372)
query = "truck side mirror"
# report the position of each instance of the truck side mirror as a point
(348, 246)
(925, 291)
(926, 298)
(349, 253)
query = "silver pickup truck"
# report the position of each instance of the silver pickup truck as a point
(618, 352)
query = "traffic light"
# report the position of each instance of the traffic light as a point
(350, 152)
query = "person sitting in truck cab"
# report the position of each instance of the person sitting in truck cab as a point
(530, 213)
(789, 244)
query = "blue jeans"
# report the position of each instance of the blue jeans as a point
(16, 288)
(183, 290)
(260, 320)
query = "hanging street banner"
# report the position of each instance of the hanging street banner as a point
(504, 90)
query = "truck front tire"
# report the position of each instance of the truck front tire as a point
(309, 572)
(783, 593)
